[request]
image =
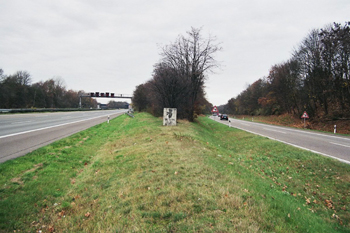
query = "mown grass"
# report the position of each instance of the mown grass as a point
(134, 175)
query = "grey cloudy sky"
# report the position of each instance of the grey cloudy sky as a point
(112, 45)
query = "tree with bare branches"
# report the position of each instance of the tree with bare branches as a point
(192, 58)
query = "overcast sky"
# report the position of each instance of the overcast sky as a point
(112, 45)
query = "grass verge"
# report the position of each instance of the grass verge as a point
(134, 175)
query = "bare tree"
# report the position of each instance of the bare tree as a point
(23, 78)
(140, 97)
(192, 58)
(170, 89)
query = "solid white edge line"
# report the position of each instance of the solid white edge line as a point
(300, 147)
(295, 130)
(49, 127)
(338, 144)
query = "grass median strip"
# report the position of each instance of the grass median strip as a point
(134, 175)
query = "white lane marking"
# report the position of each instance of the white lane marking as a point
(19, 122)
(245, 124)
(338, 144)
(49, 127)
(299, 130)
(291, 144)
(275, 130)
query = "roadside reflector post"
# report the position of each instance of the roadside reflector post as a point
(335, 128)
(229, 123)
(108, 119)
(252, 118)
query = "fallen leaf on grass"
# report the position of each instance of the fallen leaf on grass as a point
(87, 214)
(308, 201)
(176, 173)
(51, 229)
(329, 203)
(62, 213)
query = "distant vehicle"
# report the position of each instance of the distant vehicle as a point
(224, 117)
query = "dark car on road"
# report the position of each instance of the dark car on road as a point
(224, 117)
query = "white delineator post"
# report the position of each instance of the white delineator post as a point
(108, 120)
(335, 129)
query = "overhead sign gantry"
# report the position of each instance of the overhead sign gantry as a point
(103, 95)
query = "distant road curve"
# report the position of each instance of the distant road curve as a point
(331, 145)
(23, 133)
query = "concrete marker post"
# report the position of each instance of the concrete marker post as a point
(108, 120)
(335, 129)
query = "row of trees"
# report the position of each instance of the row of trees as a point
(17, 91)
(178, 79)
(316, 79)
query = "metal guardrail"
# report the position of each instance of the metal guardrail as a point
(5, 110)
(130, 113)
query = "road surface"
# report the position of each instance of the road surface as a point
(331, 145)
(23, 133)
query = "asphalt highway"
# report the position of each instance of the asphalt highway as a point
(331, 145)
(23, 133)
